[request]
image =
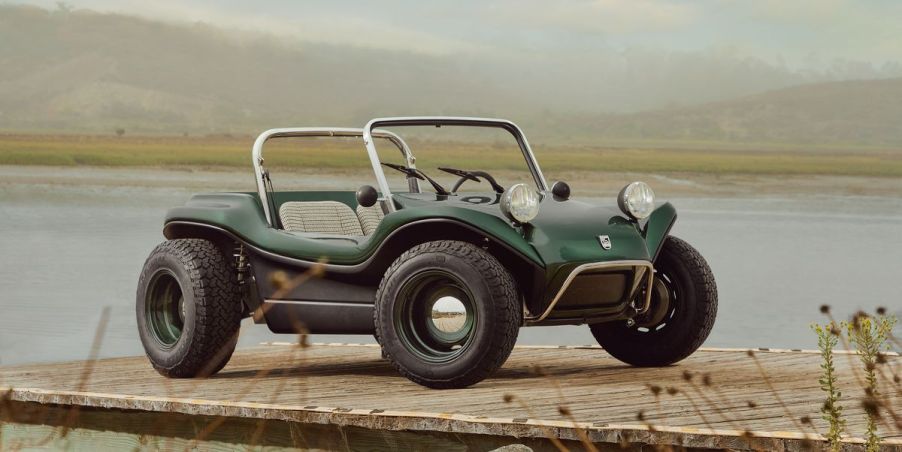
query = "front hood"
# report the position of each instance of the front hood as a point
(563, 232)
(571, 231)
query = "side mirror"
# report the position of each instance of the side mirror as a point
(560, 190)
(367, 196)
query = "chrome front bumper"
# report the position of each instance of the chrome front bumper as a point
(642, 271)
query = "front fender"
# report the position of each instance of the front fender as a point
(657, 227)
(490, 225)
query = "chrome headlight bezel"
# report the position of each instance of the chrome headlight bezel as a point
(637, 200)
(520, 203)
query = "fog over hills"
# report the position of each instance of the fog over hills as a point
(857, 112)
(81, 71)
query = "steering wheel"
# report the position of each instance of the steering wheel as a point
(472, 175)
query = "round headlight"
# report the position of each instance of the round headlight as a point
(520, 203)
(637, 200)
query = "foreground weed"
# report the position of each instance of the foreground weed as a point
(773, 390)
(827, 337)
(564, 409)
(511, 398)
(870, 336)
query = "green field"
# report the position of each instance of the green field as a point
(231, 152)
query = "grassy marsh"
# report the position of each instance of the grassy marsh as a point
(228, 151)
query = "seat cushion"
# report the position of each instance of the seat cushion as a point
(330, 217)
(369, 217)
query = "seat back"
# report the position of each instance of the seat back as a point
(370, 217)
(330, 217)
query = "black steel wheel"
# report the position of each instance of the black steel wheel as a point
(189, 308)
(681, 315)
(436, 316)
(165, 308)
(447, 314)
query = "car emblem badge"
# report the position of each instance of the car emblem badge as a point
(605, 241)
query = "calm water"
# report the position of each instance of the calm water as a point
(70, 250)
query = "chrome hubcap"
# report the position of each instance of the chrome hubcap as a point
(449, 315)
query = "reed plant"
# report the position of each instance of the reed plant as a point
(870, 335)
(831, 411)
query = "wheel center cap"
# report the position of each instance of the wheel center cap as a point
(449, 315)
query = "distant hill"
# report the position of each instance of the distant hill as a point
(80, 71)
(863, 112)
(86, 71)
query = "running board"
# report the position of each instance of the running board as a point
(321, 317)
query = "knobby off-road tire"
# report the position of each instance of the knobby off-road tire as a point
(188, 308)
(436, 354)
(684, 275)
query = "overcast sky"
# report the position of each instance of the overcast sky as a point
(803, 34)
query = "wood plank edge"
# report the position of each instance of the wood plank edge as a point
(424, 421)
(597, 347)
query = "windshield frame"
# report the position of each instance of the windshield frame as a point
(438, 121)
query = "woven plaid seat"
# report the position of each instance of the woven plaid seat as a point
(369, 217)
(330, 217)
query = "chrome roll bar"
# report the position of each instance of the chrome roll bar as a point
(257, 155)
(370, 131)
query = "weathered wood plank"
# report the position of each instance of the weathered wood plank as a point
(101, 430)
(344, 384)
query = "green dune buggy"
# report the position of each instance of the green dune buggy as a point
(443, 279)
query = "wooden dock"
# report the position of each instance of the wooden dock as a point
(544, 397)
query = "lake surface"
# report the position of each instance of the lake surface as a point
(71, 248)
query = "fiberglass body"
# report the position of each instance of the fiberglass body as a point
(574, 263)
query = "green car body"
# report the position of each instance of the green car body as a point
(387, 263)
(562, 237)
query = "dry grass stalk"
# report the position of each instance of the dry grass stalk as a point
(673, 391)
(71, 415)
(88, 368)
(870, 335)
(284, 285)
(831, 410)
(706, 381)
(509, 398)
(886, 401)
(213, 426)
(284, 288)
(261, 424)
(837, 331)
(773, 390)
(564, 410)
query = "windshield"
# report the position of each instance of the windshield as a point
(460, 159)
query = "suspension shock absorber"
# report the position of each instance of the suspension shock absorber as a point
(241, 265)
(247, 285)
